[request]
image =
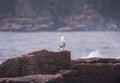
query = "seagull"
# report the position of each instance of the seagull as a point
(62, 43)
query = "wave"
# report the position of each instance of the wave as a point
(94, 54)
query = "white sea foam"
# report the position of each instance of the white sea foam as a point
(94, 54)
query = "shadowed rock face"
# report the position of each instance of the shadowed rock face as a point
(39, 62)
(93, 70)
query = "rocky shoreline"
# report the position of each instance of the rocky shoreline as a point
(57, 67)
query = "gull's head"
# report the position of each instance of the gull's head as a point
(62, 38)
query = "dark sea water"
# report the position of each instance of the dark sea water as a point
(81, 44)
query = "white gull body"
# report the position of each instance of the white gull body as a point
(62, 43)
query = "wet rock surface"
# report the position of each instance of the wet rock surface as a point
(59, 68)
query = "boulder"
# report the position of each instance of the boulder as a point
(95, 60)
(60, 67)
(39, 62)
(93, 70)
(58, 78)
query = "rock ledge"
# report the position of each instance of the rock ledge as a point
(57, 67)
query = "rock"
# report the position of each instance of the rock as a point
(60, 67)
(95, 60)
(39, 62)
(34, 79)
(93, 70)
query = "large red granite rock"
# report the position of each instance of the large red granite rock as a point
(62, 68)
(58, 78)
(95, 60)
(93, 70)
(39, 62)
